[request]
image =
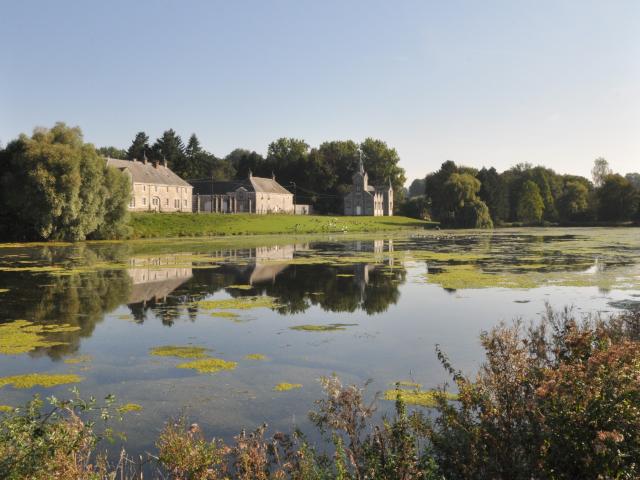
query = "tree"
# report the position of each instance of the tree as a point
(139, 147)
(493, 192)
(617, 199)
(244, 161)
(434, 190)
(112, 152)
(574, 203)
(415, 207)
(417, 187)
(600, 171)
(465, 209)
(634, 179)
(530, 204)
(169, 147)
(56, 187)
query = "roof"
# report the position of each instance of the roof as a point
(251, 184)
(148, 172)
(267, 185)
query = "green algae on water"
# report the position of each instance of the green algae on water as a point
(209, 365)
(225, 314)
(6, 409)
(331, 327)
(407, 383)
(22, 336)
(415, 396)
(129, 407)
(4, 290)
(78, 359)
(179, 351)
(285, 387)
(255, 356)
(31, 380)
(240, 287)
(240, 303)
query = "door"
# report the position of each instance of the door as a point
(358, 210)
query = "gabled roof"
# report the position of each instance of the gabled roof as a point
(148, 173)
(267, 185)
(251, 184)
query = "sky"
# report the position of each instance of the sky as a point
(483, 83)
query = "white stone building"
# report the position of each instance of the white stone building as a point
(154, 187)
(365, 199)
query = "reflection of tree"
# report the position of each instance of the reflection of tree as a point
(78, 298)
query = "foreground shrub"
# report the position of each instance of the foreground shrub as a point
(557, 400)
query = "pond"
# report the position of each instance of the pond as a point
(236, 332)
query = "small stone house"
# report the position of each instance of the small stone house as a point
(365, 199)
(154, 187)
(253, 195)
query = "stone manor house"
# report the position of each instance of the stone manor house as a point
(253, 195)
(365, 199)
(154, 187)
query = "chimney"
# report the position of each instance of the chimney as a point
(144, 158)
(273, 176)
(164, 161)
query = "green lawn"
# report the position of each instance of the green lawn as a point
(155, 225)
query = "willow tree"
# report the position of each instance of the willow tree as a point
(56, 187)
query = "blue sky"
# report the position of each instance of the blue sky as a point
(478, 82)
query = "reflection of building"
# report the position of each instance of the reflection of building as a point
(154, 278)
(265, 262)
(365, 199)
(154, 186)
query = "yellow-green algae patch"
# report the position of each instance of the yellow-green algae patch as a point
(241, 287)
(22, 336)
(255, 356)
(284, 386)
(188, 351)
(6, 409)
(331, 327)
(31, 380)
(129, 407)
(407, 383)
(209, 365)
(78, 359)
(4, 290)
(345, 275)
(416, 396)
(240, 303)
(225, 314)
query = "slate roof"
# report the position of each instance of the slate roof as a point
(148, 173)
(251, 184)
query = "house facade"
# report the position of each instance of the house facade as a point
(154, 187)
(254, 195)
(365, 199)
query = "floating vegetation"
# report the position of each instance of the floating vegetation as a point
(240, 287)
(331, 327)
(77, 360)
(129, 407)
(225, 314)
(128, 318)
(6, 409)
(240, 303)
(255, 356)
(345, 275)
(209, 365)
(285, 387)
(179, 351)
(407, 383)
(31, 380)
(4, 290)
(22, 336)
(416, 396)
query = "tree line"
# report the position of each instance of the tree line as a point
(319, 176)
(459, 196)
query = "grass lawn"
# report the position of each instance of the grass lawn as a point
(156, 225)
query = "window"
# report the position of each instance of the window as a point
(144, 201)
(144, 187)
(166, 202)
(132, 202)
(155, 188)
(176, 203)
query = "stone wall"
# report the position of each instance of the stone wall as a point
(160, 198)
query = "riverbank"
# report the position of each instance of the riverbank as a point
(167, 225)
